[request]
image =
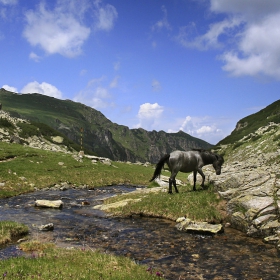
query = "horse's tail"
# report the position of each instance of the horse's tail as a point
(159, 166)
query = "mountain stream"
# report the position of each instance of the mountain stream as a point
(154, 243)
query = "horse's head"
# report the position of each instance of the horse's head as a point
(217, 164)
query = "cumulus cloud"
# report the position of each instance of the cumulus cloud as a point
(55, 31)
(9, 88)
(249, 36)
(63, 29)
(43, 88)
(149, 115)
(203, 128)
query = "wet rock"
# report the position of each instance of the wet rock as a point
(49, 203)
(121, 203)
(185, 224)
(47, 227)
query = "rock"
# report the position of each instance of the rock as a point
(49, 203)
(163, 181)
(121, 203)
(85, 203)
(188, 225)
(47, 227)
(57, 139)
(250, 184)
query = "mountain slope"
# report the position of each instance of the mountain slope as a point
(98, 134)
(253, 122)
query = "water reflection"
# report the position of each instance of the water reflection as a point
(149, 241)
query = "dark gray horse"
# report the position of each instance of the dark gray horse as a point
(187, 162)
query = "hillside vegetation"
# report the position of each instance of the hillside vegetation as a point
(100, 136)
(251, 123)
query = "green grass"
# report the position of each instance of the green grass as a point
(10, 230)
(53, 263)
(23, 169)
(202, 205)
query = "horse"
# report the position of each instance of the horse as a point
(188, 161)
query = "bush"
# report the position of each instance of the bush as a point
(6, 123)
(28, 130)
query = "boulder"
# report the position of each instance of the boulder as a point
(49, 203)
(47, 227)
(185, 224)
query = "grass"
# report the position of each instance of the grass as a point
(202, 205)
(53, 263)
(10, 230)
(24, 169)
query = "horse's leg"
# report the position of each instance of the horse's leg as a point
(202, 175)
(194, 180)
(173, 181)
(170, 185)
(174, 184)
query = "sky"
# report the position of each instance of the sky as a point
(193, 65)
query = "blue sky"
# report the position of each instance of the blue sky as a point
(192, 65)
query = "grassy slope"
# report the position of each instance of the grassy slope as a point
(74, 116)
(251, 123)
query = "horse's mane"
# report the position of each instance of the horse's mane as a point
(206, 152)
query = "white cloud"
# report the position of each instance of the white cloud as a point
(251, 36)
(185, 122)
(43, 88)
(34, 57)
(115, 82)
(8, 2)
(9, 88)
(96, 94)
(250, 9)
(105, 16)
(56, 31)
(156, 85)
(188, 34)
(206, 128)
(149, 115)
(258, 50)
(163, 23)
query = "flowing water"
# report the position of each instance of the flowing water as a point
(155, 243)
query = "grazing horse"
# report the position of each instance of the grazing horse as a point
(187, 162)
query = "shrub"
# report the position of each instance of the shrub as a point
(6, 123)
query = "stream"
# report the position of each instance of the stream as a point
(150, 242)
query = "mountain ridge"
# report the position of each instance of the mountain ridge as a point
(98, 134)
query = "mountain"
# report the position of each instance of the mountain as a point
(93, 131)
(252, 123)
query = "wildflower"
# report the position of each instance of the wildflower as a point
(150, 269)
(5, 274)
(158, 274)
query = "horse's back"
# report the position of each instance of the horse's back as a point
(184, 161)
